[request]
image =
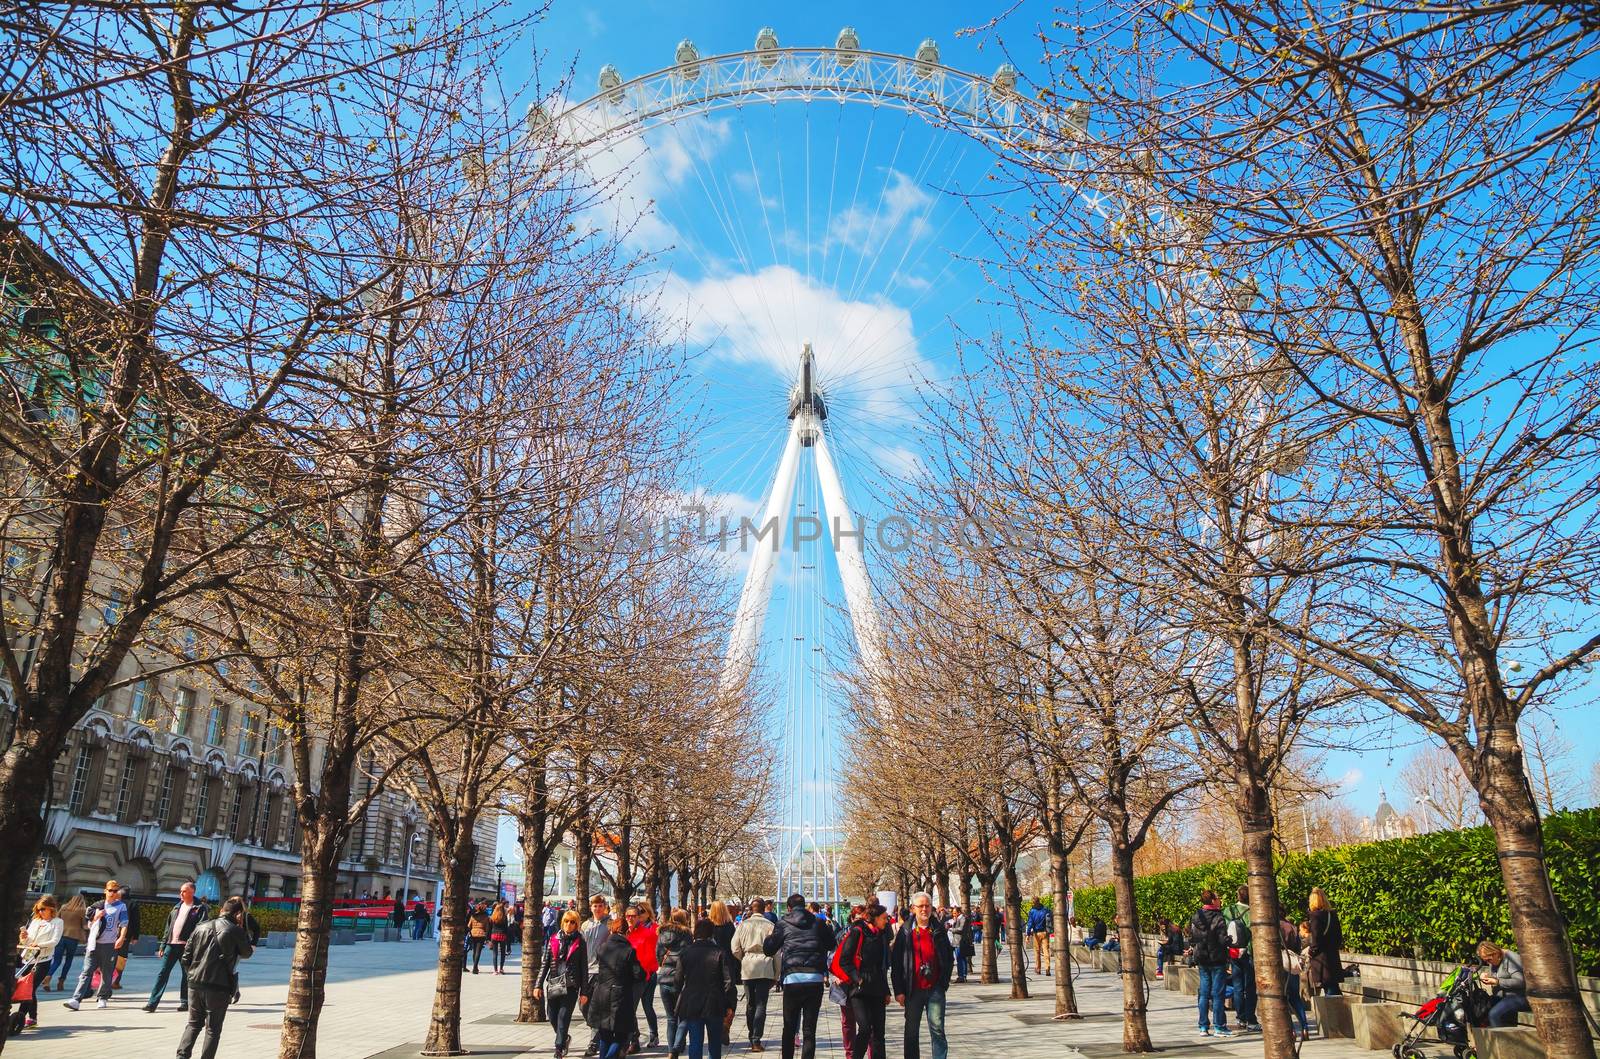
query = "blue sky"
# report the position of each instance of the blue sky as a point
(845, 227)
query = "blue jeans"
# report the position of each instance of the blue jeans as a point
(701, 1034)
(169, 960)
(417, 927)
(1161, 959)
(1211, 993)
(610, 1047)
(1503, 1012)
(929, 1003)
(61, 962)
(962, 963)
(677, 1035)
(1244, 990)
(1297, 1003)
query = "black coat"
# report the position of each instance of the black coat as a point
(670, 943)
(708, 982)
(614, 990)
(566, 958)
(801, 942)
(862, 961)
(1208, 937)
(1324, 960)
(211, 957)
(903, 958)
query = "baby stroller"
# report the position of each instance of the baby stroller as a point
(1460, 1004)
(23, 1000)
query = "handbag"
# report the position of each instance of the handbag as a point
(556, 988)
(837, 994)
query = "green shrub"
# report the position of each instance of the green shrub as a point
(1433, 896)
(153, 918)
(271, 919)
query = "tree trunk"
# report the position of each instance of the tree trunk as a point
(582, 857)
(1272, 1005)
(964, 899)
(535, 856)
(991, 930)
(1536, 922)
(24, 785)
(1061, 940)
(1019, 954)
(444, 1026)
(308, 967)
(941, 882)
(1135, 1028)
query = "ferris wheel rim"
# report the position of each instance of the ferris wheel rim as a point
(844, 90)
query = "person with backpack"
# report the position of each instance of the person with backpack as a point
(801, 943)
(1037, 927)
(1242, 961)
(562, 978)
(861, 964)
(1208, 951)
(921, 963)
(670, 942)
(756, 968)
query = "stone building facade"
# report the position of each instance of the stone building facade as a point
(171, 780)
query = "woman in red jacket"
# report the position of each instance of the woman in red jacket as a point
(641, 920)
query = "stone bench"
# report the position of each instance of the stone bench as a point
(278, 939)
(1333, 1015)
(1508, 1042)
(1181, 979)
(341, 937)
(1376, 1025)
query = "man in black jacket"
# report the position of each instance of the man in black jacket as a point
(211, 959)
(801, 942)
(920, 964)
(182, 921)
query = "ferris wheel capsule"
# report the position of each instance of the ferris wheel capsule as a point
(927, 55)
(611, 83)
(847, 45)
(767, 47)
(1077, 119)
(1005, 80)
(538, 120)
(688, 59)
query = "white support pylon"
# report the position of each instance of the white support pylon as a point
(807, 413)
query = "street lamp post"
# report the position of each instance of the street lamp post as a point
(405, 887)
(499, 879)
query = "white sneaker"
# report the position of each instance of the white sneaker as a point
(73, 1003)
(101, 1003)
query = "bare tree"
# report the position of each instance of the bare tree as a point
(1414, 198)
(181, 190)
(1437, 786)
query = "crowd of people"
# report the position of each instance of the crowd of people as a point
(613, 966)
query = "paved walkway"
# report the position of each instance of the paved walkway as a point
(380, 995)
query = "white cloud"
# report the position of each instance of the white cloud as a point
(863, 229)
(766, 317)
(635, 173)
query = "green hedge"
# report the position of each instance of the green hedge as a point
(1434, 896)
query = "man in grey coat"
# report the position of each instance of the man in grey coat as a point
(595, 932)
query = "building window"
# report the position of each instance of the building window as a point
(141, 705)
(275, 743)
(164, 805)
(182, 709)
(250, 734)
(202, 805)
(125, 787)
(42, 880)
(217, 723)
(115, 604)
(236, 810)
(80, 781)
